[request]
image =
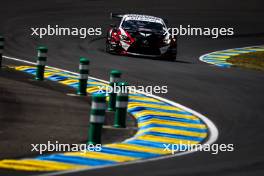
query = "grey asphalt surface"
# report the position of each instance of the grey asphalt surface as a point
(231, 98)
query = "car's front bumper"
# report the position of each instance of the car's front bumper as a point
(135, 50)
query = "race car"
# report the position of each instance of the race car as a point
(140, 35)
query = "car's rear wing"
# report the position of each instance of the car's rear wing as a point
(116, 15)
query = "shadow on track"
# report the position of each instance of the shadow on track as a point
(145, 57)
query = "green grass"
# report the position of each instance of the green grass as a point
(254, 60)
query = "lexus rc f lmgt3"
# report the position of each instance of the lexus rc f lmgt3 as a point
(141, 35)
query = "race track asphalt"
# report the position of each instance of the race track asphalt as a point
(231, 98)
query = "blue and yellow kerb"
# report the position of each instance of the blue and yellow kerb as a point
(219, 58)
(158, 122)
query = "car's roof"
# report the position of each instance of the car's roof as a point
(141, 17)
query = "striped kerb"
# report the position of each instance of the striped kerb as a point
(219, 58)
(158, 123)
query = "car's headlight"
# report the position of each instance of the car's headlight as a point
(167, 41)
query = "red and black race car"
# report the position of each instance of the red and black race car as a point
(141, 35)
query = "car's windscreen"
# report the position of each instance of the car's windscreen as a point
(135, 24)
